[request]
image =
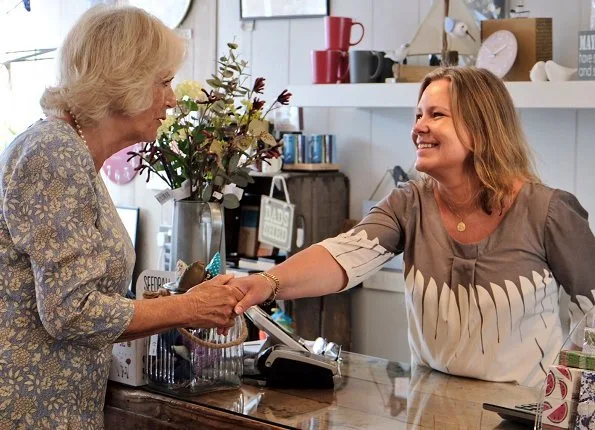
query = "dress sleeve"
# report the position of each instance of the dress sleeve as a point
(363, 250)
(51, 211)
(570, 252)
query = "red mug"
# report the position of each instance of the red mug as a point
(337, 31)
(329, 67)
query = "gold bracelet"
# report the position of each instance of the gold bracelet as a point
(274, 287)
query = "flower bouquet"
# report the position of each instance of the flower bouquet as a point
(206, 147)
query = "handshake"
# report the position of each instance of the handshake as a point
(216, 303)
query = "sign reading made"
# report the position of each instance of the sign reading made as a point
(586, 55)
(276, 222)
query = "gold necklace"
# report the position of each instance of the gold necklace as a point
(461, 226)
(78, 128)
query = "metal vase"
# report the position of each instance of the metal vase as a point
(198, 232)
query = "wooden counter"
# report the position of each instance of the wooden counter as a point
(375, 394)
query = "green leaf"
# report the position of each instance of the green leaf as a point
(207, 193)
(230, 201)
(215, 83)
(234, 160)
(219, 180)
(239, 180)
(232, 45)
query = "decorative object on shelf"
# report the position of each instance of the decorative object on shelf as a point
(365, 66)
(534, 42)
(337, 32)
(432, 37)
(498, 53)
(266, 9)
(191, 361)
(537, 73)
(119, 169)
(586, 54)
(519, 11)
(329, 66)
(487, 9)
(556, 72)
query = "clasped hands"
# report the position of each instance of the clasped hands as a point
(218, 301)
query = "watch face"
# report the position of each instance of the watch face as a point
(497, 53)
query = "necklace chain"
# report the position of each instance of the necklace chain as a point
(78, 127)
(461, 226)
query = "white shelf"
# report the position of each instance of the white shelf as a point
(536, 95)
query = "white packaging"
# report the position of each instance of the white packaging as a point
(129, 359)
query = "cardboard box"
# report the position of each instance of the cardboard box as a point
(129, 359)
(534, 39)
(129, 362)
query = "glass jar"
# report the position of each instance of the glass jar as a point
(194, 361)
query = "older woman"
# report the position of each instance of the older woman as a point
(483, 241)
(65, 257)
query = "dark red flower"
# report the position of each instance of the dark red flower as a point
(284, 97)
(257, 104)
(258, 85)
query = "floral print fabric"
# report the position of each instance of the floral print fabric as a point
(65, 261)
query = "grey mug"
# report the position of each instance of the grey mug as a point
(365, 66)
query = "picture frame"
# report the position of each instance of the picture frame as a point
(279, 9)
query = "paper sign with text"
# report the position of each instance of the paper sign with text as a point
(586, 55)
(276, 222)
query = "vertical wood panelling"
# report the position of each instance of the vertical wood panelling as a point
(354, 152)
(391, 144)
(552, 135)
(566, 24)
(361, 11)
(270, 55)
(585, 173)
(230, 28)
(394, 22)
(305, 35)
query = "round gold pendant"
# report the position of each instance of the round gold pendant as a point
(461, 226)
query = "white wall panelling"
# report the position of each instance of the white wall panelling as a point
(371, 140)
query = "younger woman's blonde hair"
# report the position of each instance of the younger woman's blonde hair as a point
(481, 104)
(109, 63)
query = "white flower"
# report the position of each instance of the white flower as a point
(186, 90)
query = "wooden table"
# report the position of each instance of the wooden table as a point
(374, 394)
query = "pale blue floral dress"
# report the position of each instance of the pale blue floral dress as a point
(65, 261)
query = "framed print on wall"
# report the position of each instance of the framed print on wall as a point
(276, 9)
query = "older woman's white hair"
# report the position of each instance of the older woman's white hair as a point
(110, 61)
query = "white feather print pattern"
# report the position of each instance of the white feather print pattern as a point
(540, 287)
(430, 316)
(517, 307)
(417, 299)
(453, 317)
(474, 324)
(443, 325)
(502, 311)
(528, 297)
(489, 320)
(359, 256)
(464, 313)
